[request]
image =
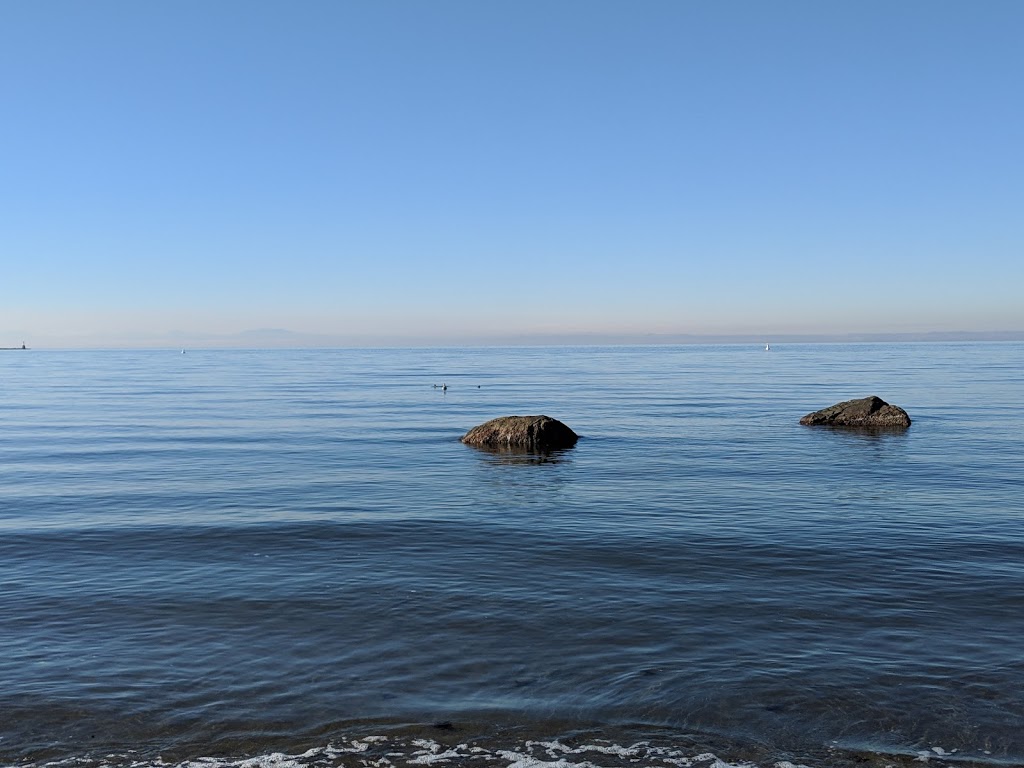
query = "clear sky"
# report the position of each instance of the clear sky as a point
(174, 172)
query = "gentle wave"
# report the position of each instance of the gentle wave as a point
(245, 552)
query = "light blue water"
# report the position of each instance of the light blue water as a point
(228, 553)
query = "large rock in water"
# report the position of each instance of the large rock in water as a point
(531, 433)
(868, 413)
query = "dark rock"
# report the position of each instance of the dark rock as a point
(532, 433)
(868, 413)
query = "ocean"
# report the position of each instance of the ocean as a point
(287, 558)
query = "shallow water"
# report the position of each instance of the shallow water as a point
(237, 553)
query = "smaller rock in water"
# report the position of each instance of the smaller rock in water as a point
(530, 433)
(867, 413)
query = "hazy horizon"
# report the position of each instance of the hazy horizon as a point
(278, 338)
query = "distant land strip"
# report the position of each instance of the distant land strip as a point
(280, 338)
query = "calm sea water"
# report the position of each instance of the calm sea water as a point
(288, 558)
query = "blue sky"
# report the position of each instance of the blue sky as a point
(181, 172)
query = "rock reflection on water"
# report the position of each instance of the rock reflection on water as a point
(870, 434)
(506, 454)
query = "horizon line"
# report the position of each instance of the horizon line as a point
(285, 339)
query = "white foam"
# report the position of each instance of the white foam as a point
(520, 760)
(355, 746)
(431, 753)
(394, 753)
(614, 749)
(434, 756)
